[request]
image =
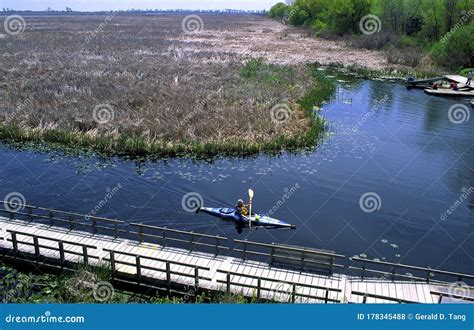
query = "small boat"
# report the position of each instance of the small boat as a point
(440, 86)
(449, 92)
(255, 220)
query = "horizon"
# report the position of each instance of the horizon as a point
(110, 5)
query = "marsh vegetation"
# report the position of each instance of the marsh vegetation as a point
(141, 86)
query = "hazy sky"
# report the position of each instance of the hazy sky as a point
(94, 5)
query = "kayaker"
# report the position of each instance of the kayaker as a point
(241, 209)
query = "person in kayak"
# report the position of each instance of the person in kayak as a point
(241, 209)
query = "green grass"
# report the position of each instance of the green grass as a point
(258, 71)
(138, 146)
(77, 287)
(255, 71)
(366, 73)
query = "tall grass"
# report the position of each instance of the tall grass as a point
(256, 75)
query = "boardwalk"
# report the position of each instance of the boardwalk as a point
(156, 264)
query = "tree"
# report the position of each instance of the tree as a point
(456, 49)
(278, 10)
(297, 15)
(450, 7)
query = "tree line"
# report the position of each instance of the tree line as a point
(444, 28)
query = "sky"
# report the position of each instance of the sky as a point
(97, 5)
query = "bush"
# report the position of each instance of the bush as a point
(278, 10)
(298, 16)
(456, 49)
(318, 26)
(464, 72)
(374, 41)
(409, 56)
(251, 67)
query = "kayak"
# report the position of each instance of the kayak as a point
(256, 220)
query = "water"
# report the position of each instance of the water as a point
(397, 145)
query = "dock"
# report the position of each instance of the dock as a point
(422, 83)
(187, 263)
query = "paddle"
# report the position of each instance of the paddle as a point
(250, 208)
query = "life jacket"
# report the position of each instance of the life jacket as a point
(245, 211)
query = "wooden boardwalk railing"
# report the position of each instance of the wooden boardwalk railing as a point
(147, 271)
(139, 264)
(70, 220)
(389, 270)
(41, 243)
(366, 295)
(116, 228)
(291, 256)
(190, 239)
(292, 292)
(450, 296)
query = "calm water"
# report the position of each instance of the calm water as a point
(385, 139)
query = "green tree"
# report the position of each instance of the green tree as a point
(298, 15)
(278, 10)
(456, 48)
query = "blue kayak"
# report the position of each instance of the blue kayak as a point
(257, 220)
